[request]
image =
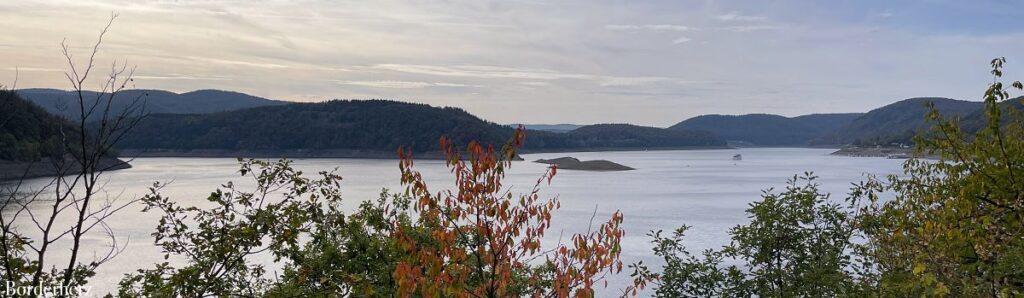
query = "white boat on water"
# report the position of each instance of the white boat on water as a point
(737, 157)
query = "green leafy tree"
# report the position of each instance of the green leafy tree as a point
(955, 225)
(352, 255)
(795, 245)
(287, 217)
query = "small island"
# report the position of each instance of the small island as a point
(571, 163)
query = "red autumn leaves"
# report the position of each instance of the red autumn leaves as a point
(480, 240)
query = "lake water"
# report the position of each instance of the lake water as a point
(705, 189)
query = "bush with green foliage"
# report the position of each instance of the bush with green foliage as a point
(795, 245)
(288, 217)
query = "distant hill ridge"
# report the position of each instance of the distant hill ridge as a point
(767, 129)
(157, 101)
(898, 122)
(617, 135)
(372, 128)
(893, 124)
(225, 120)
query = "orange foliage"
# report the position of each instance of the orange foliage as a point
(485, 242)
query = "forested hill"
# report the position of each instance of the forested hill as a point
(368, 126)
(619, 136)
(27, 131)
(766, 129)
(898, 122)
(977, 120)
(157, 101)
(337, 124)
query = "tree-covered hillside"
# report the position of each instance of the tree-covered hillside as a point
(27, 132)
(375, 125)
(338, 124)
(1010, 108)
(898, 122)
(612, 136)
(157, 101)
(766, 129)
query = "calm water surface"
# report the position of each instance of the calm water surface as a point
(705, 189)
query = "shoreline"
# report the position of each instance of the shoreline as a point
(355, 154)
(885, 152)
(872, 151)
(14, 171)
(363, 154)
(623, 149)
(290, 154)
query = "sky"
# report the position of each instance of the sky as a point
(642, 62)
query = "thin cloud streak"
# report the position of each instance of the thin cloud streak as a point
(180, 77)
(403, 84)
(681, 40)
(498, 72)
(735, 16)
(658, 27)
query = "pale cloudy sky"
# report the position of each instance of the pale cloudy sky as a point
(643, 62)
